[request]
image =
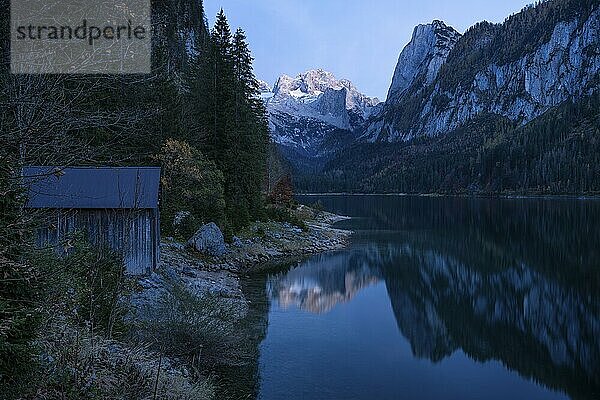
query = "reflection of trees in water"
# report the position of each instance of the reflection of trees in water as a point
(478, 290)
(243, 381)
(515, 281)
(541, 233)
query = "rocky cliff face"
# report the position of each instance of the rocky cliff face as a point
(423, 57)
(306, 110)
(422, 102)
(465, 97)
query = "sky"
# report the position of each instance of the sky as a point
(359, 40)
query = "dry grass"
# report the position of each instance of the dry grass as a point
(80, 365)
(202, 330)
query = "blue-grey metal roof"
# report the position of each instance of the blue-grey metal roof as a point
(91, 187)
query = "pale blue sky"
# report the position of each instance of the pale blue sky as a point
(355, 39)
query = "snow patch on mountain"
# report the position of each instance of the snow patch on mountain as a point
(320, 95)
(264, 87)
(305, 110)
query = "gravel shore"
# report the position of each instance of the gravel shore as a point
(262, 245)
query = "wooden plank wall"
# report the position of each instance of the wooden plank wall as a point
(132, 233)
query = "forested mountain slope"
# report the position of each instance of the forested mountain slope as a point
(504, 108)
(557, 153)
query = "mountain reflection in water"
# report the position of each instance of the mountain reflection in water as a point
(316, 289)
(516, 281)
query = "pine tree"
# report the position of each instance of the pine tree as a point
(251, 125)
(224, 97)
(223, 92)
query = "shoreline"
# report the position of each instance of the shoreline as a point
(475, 196)
(221, 284)
(262, 247)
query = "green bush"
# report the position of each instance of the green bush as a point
(190, 183)
(283, 214)
(87, 285)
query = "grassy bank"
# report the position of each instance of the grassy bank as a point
(191, 330)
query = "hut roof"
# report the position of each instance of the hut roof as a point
(92, 187)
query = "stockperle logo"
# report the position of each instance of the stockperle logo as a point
(80, 37)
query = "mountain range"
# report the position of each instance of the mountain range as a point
(502, 108)
(314, 114)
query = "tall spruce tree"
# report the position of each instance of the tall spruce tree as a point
(228, 120)
(222, 92)
(252, 125)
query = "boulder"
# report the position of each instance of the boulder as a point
(208, 240)
(237, 242)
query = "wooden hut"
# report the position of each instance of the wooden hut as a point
(114, 207)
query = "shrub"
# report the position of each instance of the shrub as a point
(87, 285)
(81, 290)
(18, 325)
(18, 287)
(317, 206)
(283, 192)
(283, 214)
(83, 308)
(200, 330)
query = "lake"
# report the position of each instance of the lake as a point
(440, 298)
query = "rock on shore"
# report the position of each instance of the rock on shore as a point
(209, 240)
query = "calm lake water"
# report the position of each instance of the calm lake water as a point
(441, 298)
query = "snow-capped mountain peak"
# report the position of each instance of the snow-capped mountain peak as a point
(319, 94)
(266, 92)
(311, 83)
(264, 87)
(304, 110)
